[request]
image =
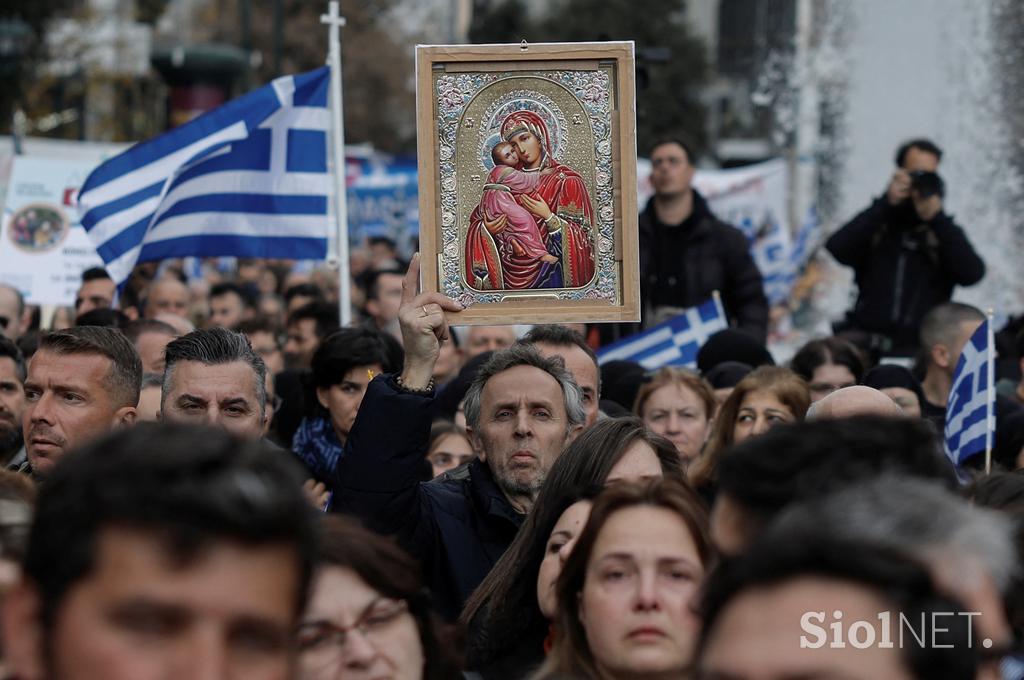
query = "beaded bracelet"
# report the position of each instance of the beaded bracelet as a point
(423, 392)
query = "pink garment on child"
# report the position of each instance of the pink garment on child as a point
(522, 225)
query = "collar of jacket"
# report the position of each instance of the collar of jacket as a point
(486, 495)
(698, 223)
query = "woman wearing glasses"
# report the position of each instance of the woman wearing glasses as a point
(369, 615)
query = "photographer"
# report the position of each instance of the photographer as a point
(907, 255)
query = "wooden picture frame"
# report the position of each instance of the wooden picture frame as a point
(527, 172)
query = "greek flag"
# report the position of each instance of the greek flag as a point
(671, 343)
(248, 179)
(970, 411)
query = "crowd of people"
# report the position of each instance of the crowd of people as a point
(208, 477)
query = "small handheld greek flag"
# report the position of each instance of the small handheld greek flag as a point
(248, 179)
(671, 343)
(970, 411)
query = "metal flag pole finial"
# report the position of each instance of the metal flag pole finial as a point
(334, 22)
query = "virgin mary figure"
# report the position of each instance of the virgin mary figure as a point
(561, 207)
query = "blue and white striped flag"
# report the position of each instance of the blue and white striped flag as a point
(671, 343)
(970, 411)
(248, 179)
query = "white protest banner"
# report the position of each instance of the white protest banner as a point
(753, 199)
(43, 248)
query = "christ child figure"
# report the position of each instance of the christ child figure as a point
(504, 183)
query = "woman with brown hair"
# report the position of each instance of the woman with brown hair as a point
(369, 615)
(770, 395)
(508, 616)
(678, 405)
(625, 593)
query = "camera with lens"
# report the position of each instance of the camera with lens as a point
(927, 184)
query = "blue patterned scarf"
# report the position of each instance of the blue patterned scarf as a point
(316, 443)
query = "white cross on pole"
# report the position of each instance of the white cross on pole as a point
(334, 22)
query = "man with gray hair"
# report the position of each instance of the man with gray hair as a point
(214, 377)
(968, 550)
(521, 410)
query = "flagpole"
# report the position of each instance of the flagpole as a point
(335, 21)
(990, 389)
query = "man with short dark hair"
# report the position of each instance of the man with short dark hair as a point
(213, 377)
(383, 298)
(12, 404)
(307, 326)
(761, 476)
(82, 382)
(770, 615)
(264, 338)
(163, 552)
(96, 292)
(945, 330)
(150, 337)
(522, 409)
(686, 253)
(906, 253)
(230, 305)
(14, 316)
(581, 360)
(300, 295)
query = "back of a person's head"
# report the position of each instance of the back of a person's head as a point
(792, 463)
(732, 344)
(105, 317)
(941, 325)
(903, 584)
(190, 487)
(919, 517)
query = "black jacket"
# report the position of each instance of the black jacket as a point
(903, 268)
(682, 264)
(457, 526)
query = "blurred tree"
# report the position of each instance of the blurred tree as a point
(21, 48)
(378, 78)
(505, 21)
(672, 63)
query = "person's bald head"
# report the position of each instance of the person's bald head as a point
(853, 401)
(167, 295)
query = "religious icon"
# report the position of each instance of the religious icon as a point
(550, 231)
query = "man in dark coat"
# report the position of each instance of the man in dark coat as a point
(907, 255)
(686, 252)
(521, 411)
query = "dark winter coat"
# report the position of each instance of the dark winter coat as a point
(457, 526)
(681, 265)
(903, 267)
